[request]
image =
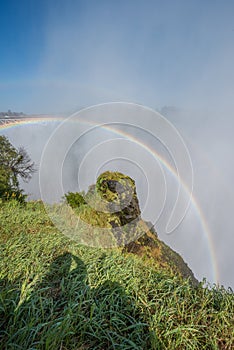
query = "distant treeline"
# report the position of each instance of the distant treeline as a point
(9, 113)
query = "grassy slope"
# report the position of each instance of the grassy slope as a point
(56, 294)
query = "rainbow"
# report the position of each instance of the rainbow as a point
(8, 124)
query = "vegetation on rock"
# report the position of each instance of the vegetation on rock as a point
(112, 203)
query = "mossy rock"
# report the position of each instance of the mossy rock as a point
(119, 192)
(112, 204)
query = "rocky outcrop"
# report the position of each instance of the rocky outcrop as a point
(118, 197)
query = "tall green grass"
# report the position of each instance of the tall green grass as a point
(58, 295)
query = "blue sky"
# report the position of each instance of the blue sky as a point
(60, 55)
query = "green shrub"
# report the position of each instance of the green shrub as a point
(75, 199)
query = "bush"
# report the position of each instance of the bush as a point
(75, 199)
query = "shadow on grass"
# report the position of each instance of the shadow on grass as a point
(64, 312)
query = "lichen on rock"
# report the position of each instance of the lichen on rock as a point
(119, 191)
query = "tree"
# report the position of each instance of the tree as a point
(14, 163)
